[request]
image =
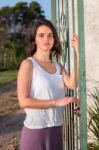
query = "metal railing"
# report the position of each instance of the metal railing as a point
(68, 17)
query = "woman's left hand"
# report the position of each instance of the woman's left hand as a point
(75, 41)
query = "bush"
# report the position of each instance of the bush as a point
(93, 146)
(94, 120)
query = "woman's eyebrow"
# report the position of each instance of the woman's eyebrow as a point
(43, 33)
(51, 33)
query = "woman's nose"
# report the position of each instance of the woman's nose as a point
(46, 37)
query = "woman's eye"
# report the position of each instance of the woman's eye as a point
(50, 36)
(41, 35)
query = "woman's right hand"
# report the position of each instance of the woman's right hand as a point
(65, 101)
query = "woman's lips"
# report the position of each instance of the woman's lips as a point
(45, 43)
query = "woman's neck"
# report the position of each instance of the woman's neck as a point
(42, 57)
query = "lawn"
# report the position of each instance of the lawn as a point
(7, 76)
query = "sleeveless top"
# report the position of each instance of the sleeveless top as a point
(45, 86)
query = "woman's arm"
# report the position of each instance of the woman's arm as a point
(23, 90)
(71, 81)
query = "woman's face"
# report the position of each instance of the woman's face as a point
(44, 38)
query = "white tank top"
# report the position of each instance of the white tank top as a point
(44, 86)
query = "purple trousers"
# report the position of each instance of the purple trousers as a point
(41, 139)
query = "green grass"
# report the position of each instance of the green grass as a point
(7, 76)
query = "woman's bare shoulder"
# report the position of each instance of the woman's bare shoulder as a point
(26, 67)
(26, 63)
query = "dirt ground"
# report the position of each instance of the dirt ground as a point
(11, 118)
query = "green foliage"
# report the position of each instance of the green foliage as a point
(93, 146)
(5, 11)
(21, 12)
(16, 23)
(94, 115)
(12, 54)
(7, 76)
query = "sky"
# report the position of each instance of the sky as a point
(45, 4)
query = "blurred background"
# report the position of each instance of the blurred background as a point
(16, 19)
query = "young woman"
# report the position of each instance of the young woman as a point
(40, 88)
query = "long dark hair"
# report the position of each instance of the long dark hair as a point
(56, 49)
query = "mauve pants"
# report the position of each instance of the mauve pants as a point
(41, 139)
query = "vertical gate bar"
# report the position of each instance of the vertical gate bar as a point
(53, 11)
(66, 111)
(83, 119)
(58, 18)
(73, 15)
(70, 93)
(67, 35)
(76, 126)
(68, 62)
(73, 21)
(64, 130)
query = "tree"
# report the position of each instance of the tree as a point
(21, 13)
(15, 25)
